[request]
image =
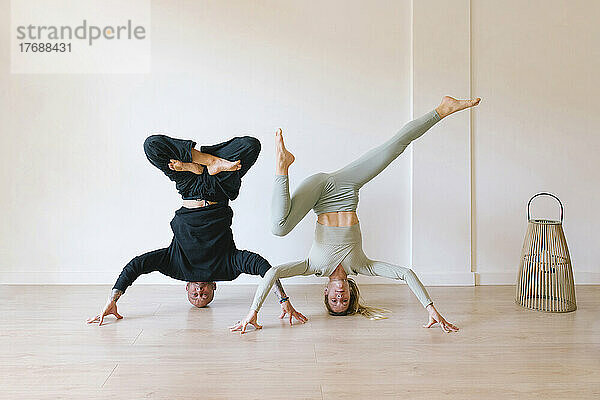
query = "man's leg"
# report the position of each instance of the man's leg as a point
(178, 160)
(161, 149)
(245, 149)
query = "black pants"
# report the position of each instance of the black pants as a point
(226, 185)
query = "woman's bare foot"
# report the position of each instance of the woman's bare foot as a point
(220, 165)
(177, 165)
(283, 156)
(450, 105)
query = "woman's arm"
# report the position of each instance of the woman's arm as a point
(386, 270)
(434, 316)
(273, 275)
(286, 304)
(378, 268)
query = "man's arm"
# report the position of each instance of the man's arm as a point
(143, 264)
(109, 308)
(152, 261)
(115, 294)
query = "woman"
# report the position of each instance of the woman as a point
(337, 248)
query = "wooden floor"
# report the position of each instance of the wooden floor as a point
(166, 349)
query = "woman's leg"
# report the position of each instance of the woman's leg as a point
(287, 212)
(376, 160)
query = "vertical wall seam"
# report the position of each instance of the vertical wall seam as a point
(410, 154)
(472, 211)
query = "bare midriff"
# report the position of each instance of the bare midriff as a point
(340, 218)
(197, 203)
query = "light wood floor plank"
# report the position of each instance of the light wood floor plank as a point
(166, 349)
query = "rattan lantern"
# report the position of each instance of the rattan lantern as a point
(545, 279)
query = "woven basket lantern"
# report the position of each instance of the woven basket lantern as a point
(545, 280)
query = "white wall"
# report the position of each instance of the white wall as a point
(536, 65)
(79, 199)
(441, 226)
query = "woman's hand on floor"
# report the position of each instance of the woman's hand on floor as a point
(251, 319)
(109, 308)
(288, 309)
(435, 317)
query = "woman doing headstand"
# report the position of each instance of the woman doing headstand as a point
(337, 248)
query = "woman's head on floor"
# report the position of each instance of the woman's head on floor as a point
(200, 293)
(342, 297)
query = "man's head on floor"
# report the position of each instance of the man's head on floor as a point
(200, 293)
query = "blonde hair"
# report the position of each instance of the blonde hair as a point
(355, 305)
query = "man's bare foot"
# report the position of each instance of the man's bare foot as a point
(220, 165)
(451, 105)
(283, 156)
(177, 165)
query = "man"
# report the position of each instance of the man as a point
(202, 250)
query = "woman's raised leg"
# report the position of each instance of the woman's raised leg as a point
(287, 212)
(376, 160)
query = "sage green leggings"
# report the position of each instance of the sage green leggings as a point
(333, 192)
(338, 191)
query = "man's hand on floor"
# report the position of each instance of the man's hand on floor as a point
(109, 308)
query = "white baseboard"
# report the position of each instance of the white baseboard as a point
(494, 278)
(447, 279)
(108, 278)
(509, 278)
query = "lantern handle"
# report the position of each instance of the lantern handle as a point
(545, 194)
